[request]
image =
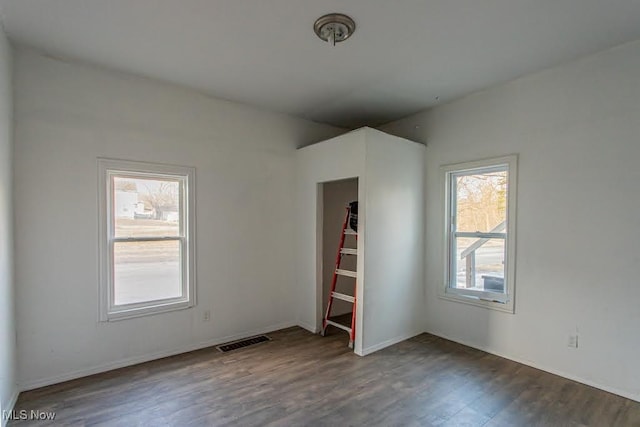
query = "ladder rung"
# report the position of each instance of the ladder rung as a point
(349, 251)
(350, 232)
(339, 325)
(343, 297)
(347, 273)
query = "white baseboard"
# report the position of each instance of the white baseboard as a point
(369, 350)
(308, 327)
(609, 389)
(387, 343)
(9, 407)
(30, 385)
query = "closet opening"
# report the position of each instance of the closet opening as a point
(339, 201)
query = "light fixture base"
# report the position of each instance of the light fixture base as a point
(334, 27)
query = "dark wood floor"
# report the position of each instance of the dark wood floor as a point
(304, 379)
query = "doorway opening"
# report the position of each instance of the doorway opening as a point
(336, 197)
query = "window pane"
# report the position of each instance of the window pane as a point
(481, 201)
(146, 207)
(481, 269)
(146, 271)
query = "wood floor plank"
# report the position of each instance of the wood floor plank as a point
(301, 379)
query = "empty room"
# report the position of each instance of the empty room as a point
(319, 213)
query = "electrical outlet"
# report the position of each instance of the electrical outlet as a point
(573, 341)
(206, 316)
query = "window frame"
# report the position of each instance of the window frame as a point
(493, 300)
(109, 168)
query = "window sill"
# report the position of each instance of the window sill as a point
(491, 305)
(124, 314)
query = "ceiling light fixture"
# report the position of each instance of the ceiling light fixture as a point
(334, 28)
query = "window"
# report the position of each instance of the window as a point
(147, 260)
(480, 232)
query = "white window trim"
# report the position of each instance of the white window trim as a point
(108, 167)
(485, 299)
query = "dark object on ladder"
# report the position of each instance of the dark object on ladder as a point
(353, 216)
(349, 227)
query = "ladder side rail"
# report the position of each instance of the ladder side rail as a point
(352, 333)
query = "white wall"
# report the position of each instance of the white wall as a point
(390, 279)
(67, 115)
(576, 128)
(336, 195)
(8, 389)
(394, 232)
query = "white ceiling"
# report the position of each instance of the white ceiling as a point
(403, 55)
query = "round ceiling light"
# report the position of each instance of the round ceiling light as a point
(334, 27)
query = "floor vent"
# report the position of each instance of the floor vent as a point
(243, 343)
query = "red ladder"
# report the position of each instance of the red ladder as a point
(346, 230)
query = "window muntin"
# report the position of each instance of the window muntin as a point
(147, 259)
(480, 203)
